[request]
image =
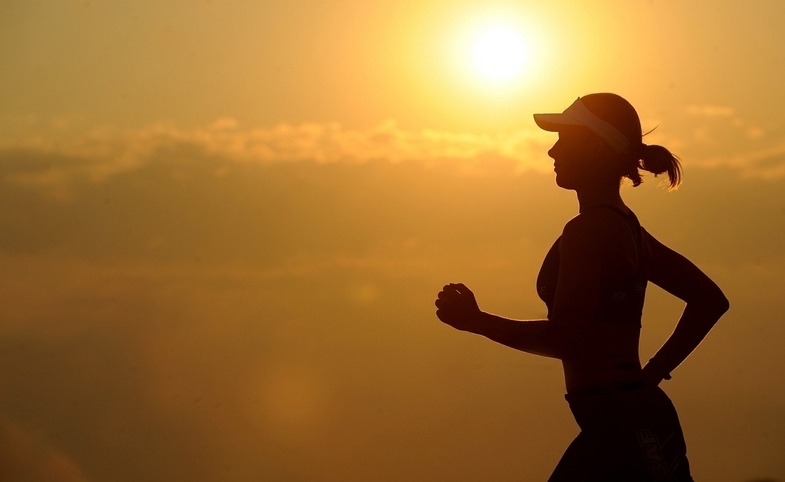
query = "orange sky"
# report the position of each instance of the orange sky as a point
(224, 224)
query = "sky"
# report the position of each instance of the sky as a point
(223, 226)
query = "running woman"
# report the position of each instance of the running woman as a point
(593, 281)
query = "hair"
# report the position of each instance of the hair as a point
(619, 113)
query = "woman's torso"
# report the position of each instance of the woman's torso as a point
(609, 345)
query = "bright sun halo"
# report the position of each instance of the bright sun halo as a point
(500, 53)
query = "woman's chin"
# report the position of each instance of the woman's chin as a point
(564, 182)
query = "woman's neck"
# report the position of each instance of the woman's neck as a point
(597, 195)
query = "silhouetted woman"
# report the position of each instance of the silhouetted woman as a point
(593, 281)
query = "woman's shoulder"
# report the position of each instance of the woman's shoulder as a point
(604, 235)
(599, 224)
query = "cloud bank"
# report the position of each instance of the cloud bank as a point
(104, 152)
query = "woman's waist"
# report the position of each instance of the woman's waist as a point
(605, 345)
(602, 376)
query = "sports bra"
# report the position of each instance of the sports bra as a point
(621, 300)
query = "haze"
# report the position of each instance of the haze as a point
(223, 226)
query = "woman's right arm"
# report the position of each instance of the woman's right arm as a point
(581, 250)
(705, 305)
(457, 307)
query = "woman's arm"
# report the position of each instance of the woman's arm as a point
(581, 250)
(458, 308)
(705, 305)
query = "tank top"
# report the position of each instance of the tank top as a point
(621, 300)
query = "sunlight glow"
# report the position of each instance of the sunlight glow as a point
(500, 53)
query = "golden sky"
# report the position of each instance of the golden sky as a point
(223, 225)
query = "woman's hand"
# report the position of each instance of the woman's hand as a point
(653, 375)
(457, 307)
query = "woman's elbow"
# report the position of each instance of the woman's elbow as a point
(722, 304)
(714, 302)
(719, 302)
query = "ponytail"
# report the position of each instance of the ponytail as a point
(657, 160)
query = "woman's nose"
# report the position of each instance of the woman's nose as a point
(552, 150)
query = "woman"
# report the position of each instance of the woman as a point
(593, 281)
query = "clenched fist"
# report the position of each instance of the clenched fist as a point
(457, 307)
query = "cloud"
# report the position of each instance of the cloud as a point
(105, 152)
(720, 137)
(766, 163)
(755, 132)
(710, 110)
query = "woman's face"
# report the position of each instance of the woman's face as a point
(580, 157)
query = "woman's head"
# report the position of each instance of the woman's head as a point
(602, 132)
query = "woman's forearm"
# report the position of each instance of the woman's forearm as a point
(540, 337)
(695, 323)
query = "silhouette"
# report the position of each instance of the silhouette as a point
(593, 281)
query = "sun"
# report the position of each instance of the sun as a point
(500, 53)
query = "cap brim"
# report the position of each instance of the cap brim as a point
(554, 122)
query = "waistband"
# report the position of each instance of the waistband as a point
(605, 389)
